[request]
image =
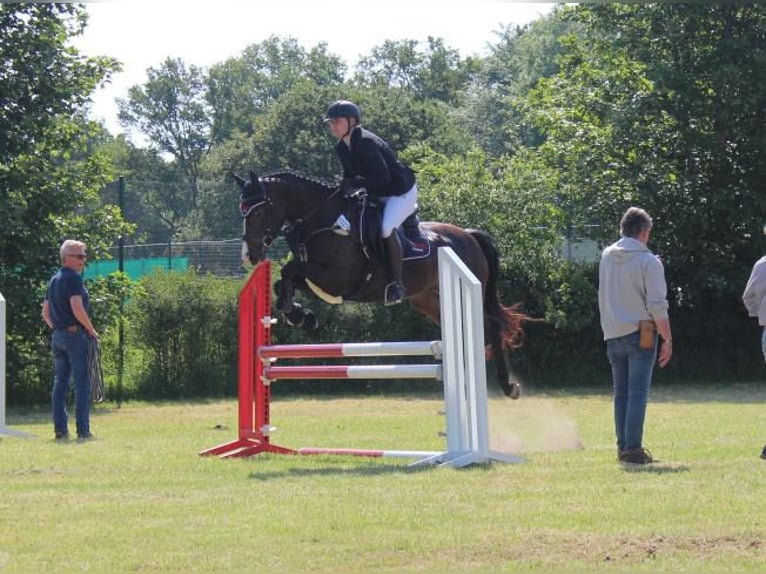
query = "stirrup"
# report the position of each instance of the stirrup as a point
(394, 295)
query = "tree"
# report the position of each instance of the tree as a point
(662, 106)
(190, 114)
(51, 170)
(243, 88)
(520, 56)
(171, 109)
(155, 195)
(434, 73)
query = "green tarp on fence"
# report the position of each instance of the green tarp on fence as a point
(135, 268)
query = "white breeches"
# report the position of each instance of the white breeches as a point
(397, 208)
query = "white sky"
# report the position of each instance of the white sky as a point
(141, 34)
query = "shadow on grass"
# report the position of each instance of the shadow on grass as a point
(654, 469)
(340, 470)
(42, 415)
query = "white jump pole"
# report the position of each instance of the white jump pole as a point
(4, 429)
(465, 377)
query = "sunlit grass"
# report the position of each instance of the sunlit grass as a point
(140, 498)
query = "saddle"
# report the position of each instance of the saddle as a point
(363, 218)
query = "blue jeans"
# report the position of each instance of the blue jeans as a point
(70, 360)
(632, 369)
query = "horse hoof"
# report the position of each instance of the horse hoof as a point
(295, 318)
(515, 390)
(310, 321)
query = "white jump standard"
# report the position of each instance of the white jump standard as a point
(461, 367)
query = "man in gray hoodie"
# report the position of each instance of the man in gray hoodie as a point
(632, 289)
(754, 299)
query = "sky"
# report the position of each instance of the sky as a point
(142, 34)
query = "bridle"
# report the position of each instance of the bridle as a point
(270, 234)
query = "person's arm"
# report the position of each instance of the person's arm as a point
(657, 305)
(46, 313)
(752, 295)
(666, 341)
(82, 315)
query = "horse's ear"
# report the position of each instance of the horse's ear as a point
(253, 177)
(241, 182)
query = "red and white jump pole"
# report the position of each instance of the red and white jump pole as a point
(462, 369)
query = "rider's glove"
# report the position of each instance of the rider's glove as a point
(350, 184)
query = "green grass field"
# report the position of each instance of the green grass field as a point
(140, 498)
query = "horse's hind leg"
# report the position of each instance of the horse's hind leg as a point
(510, 388)
(427, 304)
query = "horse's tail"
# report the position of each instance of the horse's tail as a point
(505, 328)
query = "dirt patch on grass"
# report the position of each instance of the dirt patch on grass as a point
(628, 550)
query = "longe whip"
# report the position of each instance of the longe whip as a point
(95, 373)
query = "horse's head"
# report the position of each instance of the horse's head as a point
(261, 220)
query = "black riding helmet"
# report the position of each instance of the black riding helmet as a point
(343, 109)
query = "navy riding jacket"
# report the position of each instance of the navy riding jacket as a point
(370, 157)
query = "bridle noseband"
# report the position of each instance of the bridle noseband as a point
(247, 210)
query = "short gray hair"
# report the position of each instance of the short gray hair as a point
(635, 221)
(67, 245)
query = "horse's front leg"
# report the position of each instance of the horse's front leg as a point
(293, 312)
(285, 287)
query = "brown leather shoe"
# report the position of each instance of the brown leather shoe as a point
(636, 456)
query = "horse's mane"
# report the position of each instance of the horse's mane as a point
(298, 177)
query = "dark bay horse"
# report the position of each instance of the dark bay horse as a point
(322, 228)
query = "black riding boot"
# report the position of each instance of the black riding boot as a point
(395, 289)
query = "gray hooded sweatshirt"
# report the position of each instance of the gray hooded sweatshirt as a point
(754, 296)
(631, 287)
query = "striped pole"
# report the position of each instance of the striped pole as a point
(329, 350)
(354, 372)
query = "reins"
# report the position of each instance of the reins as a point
(295, 227)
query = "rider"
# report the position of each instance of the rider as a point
(369, 162)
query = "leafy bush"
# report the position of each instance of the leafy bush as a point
(186, 326)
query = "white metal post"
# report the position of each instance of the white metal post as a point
(2, 361)
(3, 429)
(465, 376)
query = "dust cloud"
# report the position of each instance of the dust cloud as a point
(530, 425)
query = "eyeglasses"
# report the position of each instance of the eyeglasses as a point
(79, 256)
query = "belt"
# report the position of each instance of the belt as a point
(71, 329)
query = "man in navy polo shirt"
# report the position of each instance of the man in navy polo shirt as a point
(65, 311)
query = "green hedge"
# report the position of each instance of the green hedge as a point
(182, 332)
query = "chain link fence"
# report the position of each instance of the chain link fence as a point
(220, 258)
(159, 210)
